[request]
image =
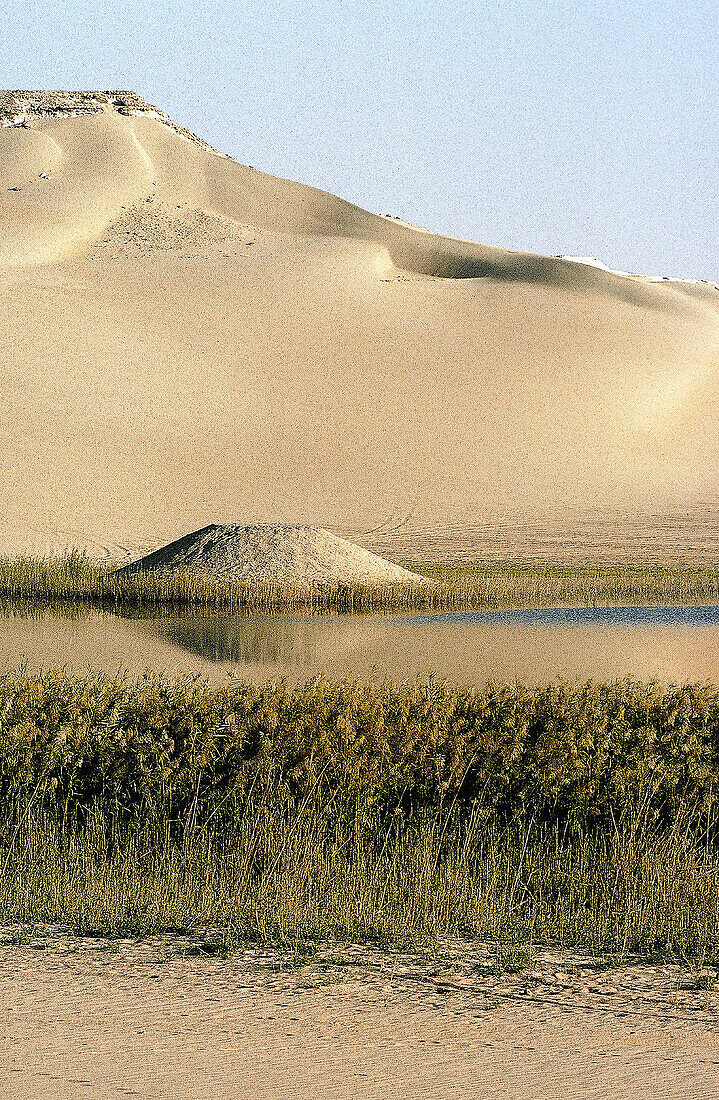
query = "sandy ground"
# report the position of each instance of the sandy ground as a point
(160, 1019)
(187, 340)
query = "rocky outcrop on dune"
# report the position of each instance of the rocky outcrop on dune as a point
(19, 107)
(276, 552)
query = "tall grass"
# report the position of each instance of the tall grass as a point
(280, 876)
(356, 810)
(446, 587)
(502, 585)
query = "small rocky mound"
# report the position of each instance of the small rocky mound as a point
(18, 107)
(279, 553)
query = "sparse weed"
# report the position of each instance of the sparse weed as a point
(610, 960)
(21, 936)
(702, 981)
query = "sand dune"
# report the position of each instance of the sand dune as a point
(187, 340)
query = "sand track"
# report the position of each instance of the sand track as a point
(188, 340)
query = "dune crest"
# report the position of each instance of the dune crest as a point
(185, 336)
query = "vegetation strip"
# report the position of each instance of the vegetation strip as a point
(570, 814)
(455, 586)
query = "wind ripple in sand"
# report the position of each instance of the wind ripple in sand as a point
(145, 1020)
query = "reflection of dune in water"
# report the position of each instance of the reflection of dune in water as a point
(235, 639)
(81, 638)
(685, 646)
(214, 645)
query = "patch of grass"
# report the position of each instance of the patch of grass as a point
(363, 812)
(76, 578)
(223, 943)
(511, 958)
(516, 585)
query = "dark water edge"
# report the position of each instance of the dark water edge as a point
(668, 615)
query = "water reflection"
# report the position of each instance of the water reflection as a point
(531, 645)
(234, 638)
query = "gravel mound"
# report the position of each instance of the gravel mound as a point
(282, 553)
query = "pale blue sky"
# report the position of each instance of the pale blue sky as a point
(583, 127)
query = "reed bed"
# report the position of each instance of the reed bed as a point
(570, 814)
(447, 587)
(514, 585)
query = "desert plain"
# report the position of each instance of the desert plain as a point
(160, 1019)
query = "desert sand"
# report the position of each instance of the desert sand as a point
(159, 1018)
(188, 340)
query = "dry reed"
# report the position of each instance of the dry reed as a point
(458, 586)
(363, 811)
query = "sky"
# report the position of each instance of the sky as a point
(572, 127)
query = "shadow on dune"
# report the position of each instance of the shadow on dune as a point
(414, 251)
(267, 202)
(440, 258)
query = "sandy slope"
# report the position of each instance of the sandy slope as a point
(186, 340)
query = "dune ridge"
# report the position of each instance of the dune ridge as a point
(18, 108)
(187, 339)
